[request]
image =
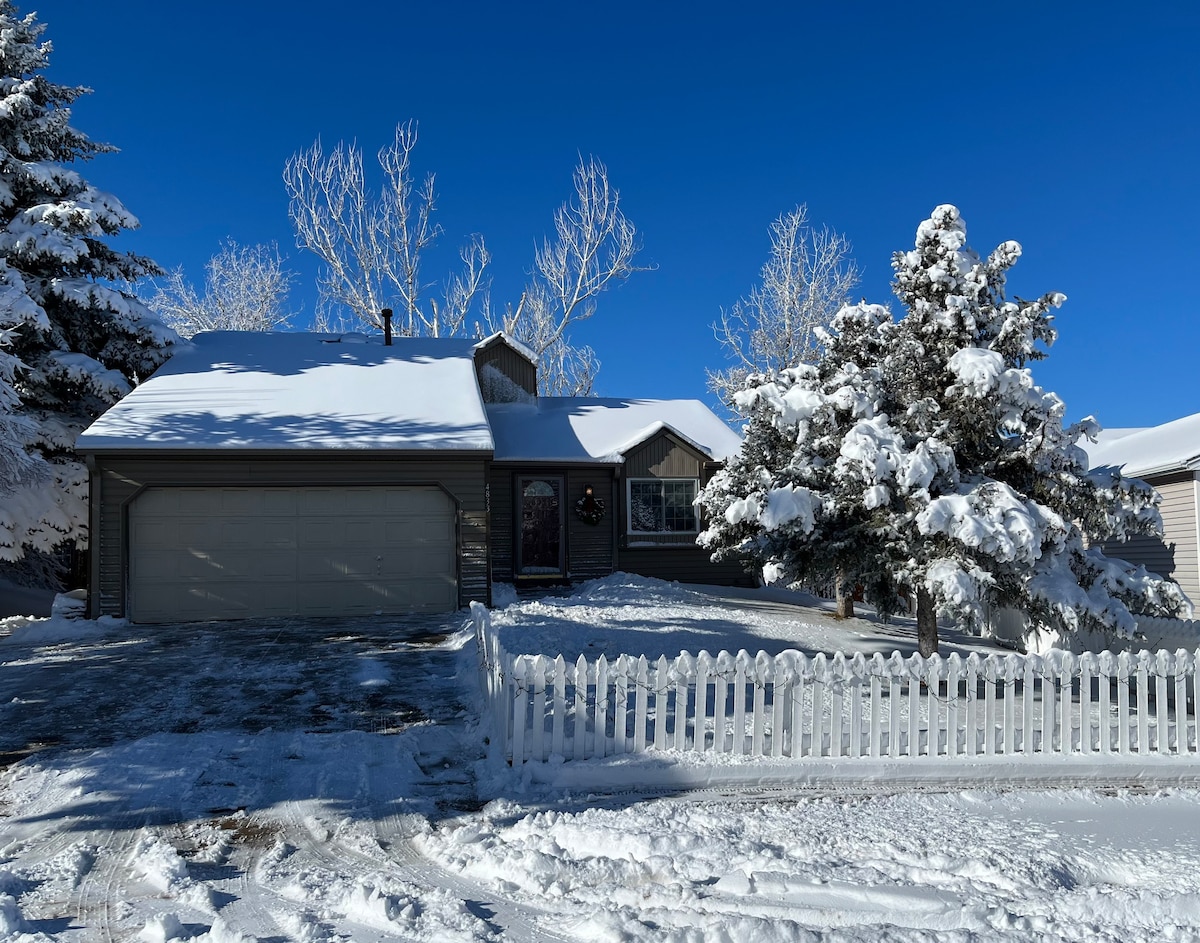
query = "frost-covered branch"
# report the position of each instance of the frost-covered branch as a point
(372, 245)
(919, 458)
(245, 289)
(73, 339)
(808, 276)
(594, 246)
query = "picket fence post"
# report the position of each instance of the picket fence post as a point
(1010, 705)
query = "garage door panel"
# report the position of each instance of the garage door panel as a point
(228, 553)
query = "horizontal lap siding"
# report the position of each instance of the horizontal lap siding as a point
(120, 479)
(500, 487)
(1175, 555)
(589, 547)
(684, 564)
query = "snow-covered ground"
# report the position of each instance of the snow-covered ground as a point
(321, 781)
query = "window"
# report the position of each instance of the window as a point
(662, 505)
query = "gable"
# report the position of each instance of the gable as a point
(665, 455)
(505, 373)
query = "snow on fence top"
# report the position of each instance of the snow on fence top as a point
(791, 705)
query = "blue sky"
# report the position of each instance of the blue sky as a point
(1069, 127)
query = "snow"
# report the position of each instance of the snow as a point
(1173, 446)
(258, 390)
(592, 429)
(305, 782)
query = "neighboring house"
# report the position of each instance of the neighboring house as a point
(1168, 458)
(279, 474)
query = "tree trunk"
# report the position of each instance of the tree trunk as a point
(845, 596)
(927, 634)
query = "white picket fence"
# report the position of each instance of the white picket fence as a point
(791, 705)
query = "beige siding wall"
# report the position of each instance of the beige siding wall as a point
(1175, 556)
(120, 479)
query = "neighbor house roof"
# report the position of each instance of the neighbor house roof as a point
(588, 429)
(1173, 446)
(253, 390)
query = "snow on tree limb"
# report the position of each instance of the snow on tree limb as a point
(935, 465)
(71, 341)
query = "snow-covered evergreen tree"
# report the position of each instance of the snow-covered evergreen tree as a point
(79, 340)
(920, 457)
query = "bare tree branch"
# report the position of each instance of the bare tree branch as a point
(372, 245)
(594, 246)
(807, 277)
(245, 289)
(372, 248)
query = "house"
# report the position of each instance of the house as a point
(1168, 458)
(280, 474)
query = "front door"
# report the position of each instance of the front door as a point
(539, 537)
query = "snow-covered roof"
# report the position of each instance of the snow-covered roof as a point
(251, 390)
(1173, 446)
(587, 429)
(510, 341)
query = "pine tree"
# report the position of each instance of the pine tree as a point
(81, 341)
(925, 461)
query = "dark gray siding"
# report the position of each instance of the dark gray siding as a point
(664, 456)
(510, 363)
(501, 521)
(684, 564)
(671, 556)
(120, 478)
(590, 549)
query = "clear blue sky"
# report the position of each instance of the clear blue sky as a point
(1070, 127)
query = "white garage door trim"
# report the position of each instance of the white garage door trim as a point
(249, 552)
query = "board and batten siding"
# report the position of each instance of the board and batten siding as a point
(1175, 556)
(118, 479)
(664, 456)
(507, 361)
(671, 556)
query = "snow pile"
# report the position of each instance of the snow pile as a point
(232, 783)
(1070, 867)
(636, 615)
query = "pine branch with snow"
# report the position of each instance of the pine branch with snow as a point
(932, 465)
(78, 342)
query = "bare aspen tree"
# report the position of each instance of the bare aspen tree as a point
(372, 245)
(245, 289)
(807, 277)
(594, 246)
(373, 248)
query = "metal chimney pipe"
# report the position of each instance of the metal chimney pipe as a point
(387, 327)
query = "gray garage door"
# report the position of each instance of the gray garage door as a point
(231, 553)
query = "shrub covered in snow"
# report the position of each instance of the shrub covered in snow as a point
(918, 457)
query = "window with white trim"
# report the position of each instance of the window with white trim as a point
(662, 505)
